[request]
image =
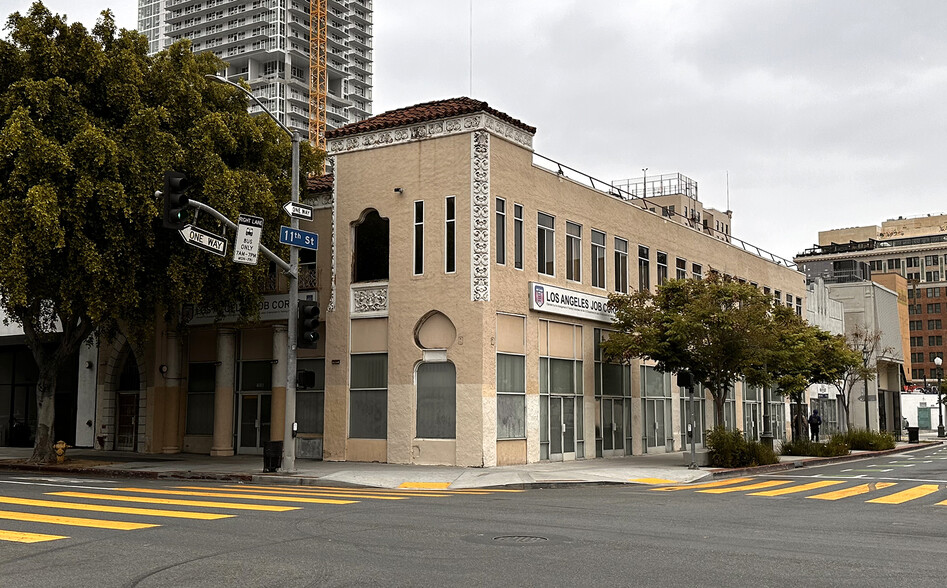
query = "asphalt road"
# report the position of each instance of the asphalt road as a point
(809, 527)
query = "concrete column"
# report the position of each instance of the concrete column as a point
(278, 401)
(223, 394)
(172, 393)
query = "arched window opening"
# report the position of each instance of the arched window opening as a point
(371, 249)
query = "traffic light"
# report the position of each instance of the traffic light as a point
(175, 200)
(307, 333)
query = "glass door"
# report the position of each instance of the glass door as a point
(655, 423)
(613, 427)
(253, 422)
(562, 428)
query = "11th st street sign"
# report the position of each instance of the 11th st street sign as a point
(298, 238)
(204, 240)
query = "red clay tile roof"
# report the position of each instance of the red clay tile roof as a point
(321, 183)
(423, 113)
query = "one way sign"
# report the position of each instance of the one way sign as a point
(204, 240)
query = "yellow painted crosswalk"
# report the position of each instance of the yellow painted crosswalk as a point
(900, 492)
(189, 502)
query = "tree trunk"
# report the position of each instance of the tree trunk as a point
(43, 451)
(719, 403)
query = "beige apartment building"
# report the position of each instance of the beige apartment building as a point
(463, 283)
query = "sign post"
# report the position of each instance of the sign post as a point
(246, 246)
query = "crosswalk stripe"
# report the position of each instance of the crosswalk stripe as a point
(426, 485)
(756, 486)
(176, 502)
(800, 488)
(906, 495)
(20, 537)
(704, 485)
(356, 492)
(294, 492)
(73, 521)
(178, 514)
(246, 496)
(853, 491)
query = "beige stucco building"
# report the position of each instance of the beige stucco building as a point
(463, 288)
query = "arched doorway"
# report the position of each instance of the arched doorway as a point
(127, 396)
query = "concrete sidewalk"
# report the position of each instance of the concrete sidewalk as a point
(659, 468)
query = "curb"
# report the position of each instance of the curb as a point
(119, 473)
(803, 461)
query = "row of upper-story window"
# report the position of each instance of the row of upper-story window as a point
(932, 325)
(924, 292)
(546, 252)
(919, 357)
(917, 267)
(931, 308)
(932, 341)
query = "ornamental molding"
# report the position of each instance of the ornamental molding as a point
(330, 164)
(431, 130)
(370, 300)
(480, 216)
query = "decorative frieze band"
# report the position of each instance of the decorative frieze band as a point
(480, 216)
(427, 130)
(370, 300)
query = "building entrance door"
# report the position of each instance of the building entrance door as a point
(613, 427)
(253, 422)
(655, 424)
(562, 428)
(126, 426)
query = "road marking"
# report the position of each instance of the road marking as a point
(853, 491)
(426, 485)
(293, 492)
(652, 481)
(800, 488)
(58, 485)
(179, 514)
(202, 503)
(73, 521)
(353, 491)
(246, 496)
(906, 495)
(755, 486)
(18, 537)
(704, 485)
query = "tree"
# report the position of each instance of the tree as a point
(88, 125)
(716, 328)
(865, 345)
(804, 355)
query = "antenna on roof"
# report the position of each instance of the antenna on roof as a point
(728, 189)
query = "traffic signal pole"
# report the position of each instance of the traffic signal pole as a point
(292, 331)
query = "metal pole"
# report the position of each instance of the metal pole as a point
(867, 420)
(940, 407)
(289, 430)
(692, 426)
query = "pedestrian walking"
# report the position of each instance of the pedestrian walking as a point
(815, 421)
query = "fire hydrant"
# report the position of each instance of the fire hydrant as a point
(60, 448)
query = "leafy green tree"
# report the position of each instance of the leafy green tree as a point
(717, 328)
(88, 125)
(804, 355)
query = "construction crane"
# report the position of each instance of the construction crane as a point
(318, 76)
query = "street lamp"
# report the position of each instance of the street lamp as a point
(866, 354)
(289, 447)
(940, 405)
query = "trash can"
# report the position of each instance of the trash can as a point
(272, 455)
(914, 435)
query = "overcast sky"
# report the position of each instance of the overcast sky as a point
(825, 114)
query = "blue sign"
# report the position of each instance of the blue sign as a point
(298, 238)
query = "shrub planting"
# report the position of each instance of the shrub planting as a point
(729, 449)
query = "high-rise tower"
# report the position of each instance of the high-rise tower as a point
(267, 43)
